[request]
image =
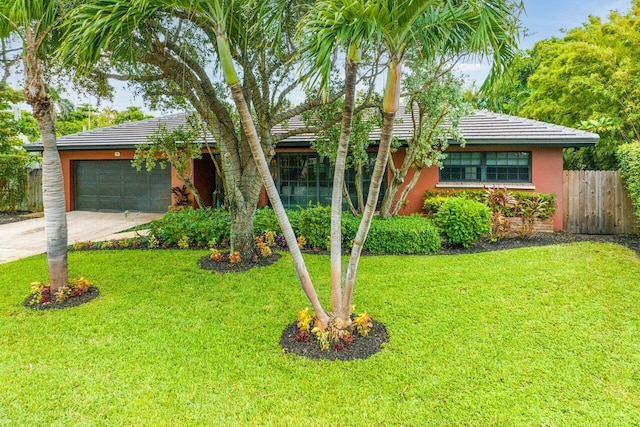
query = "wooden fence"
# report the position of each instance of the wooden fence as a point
(33, 201)
(596, 202)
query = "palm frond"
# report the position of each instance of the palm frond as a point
(331, 25)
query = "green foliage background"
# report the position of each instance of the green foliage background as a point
(13, 181)
(629, 155)
(587, 80)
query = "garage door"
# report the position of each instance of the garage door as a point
(114, 185)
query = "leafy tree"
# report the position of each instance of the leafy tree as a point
(629, 155)
(436, 98)
(587, 79)
(11, 128)
(35, 24)
(173, 50)
(178, 146)
(86, 117)
(130, 114)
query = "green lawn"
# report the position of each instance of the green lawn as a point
(530, 337)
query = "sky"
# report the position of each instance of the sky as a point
(542, 18)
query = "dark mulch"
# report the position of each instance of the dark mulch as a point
(206, 263)
(361, 348)
(91, 294)
(8, 217)
(542, 239)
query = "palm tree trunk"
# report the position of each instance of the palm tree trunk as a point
(392, 187)
(249, 128)
(276, 203)
(390, 106)
(53, 198)
(338, 181)
(359, 192)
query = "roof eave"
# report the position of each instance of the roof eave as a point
(77, 147)
(564, 143)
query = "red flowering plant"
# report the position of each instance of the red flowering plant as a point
(308, 329)
(41, 292)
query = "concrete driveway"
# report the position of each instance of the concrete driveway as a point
(26, 238)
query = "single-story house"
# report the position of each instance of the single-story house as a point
(501, 150)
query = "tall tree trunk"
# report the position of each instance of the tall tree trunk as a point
(276, 203)
(395, 198)
(390, 106)
(392, 188)
(359, 192)
(351, 69)
(194, 192)
(400, 201)
(249, 128)
(53, 198)
(242, 228)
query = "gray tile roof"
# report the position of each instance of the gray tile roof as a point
(479, 128)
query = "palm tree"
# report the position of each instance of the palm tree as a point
(427, 28)
(35, 23)
(334, 23)
(221, 12)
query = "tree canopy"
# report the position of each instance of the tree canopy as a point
(587, 79)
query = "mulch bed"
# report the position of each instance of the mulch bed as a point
(91, 294)
(361, 348)
(206, 263)
(542, 239)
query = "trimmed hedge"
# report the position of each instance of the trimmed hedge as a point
(13, 181)
(398, 235)
(463, 221)
(433, 200)
(402, 235)
(629, 158)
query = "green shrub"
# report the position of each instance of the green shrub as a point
(402, 235)
(314, 223)
(399, 235)
(433, 199)
(462, 221)
(13, 181)
(265, 220)
(201, 226)
(548, 200)
(432, 205)
(629, 158)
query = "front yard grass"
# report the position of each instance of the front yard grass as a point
(537, 336)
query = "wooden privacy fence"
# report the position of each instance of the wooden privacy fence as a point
(33, 199)
(596, 202)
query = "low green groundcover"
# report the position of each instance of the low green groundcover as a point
(536, 336)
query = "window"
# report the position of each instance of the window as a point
(304, 178)
(490, 166)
